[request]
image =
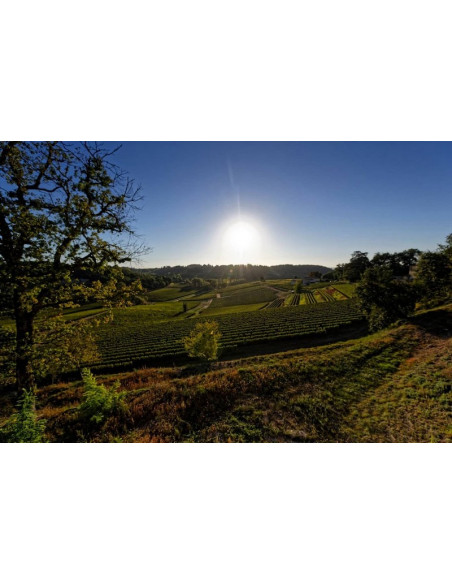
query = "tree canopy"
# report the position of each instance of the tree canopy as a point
(64, 208)
(384, 299)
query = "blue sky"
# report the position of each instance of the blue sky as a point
(309, 202)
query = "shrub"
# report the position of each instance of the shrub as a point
(203, 341)
(24, 425)
(100, 401)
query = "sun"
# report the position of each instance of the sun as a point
(241, 242)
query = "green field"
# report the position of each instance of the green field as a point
(347, 289)
(247, 313)
(233, 309)
(248, 296)
(135, 335)
(392, 386)
(168, 293)
(284, 285)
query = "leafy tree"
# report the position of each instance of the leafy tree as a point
(24, 425)
(357, 266)
(203, 341)
(384, 299)
(339, 271)
(328, 277)
(399, 263)
(446, 248)
(315, 274)
(299, 287)
(433, 275)
(61, 345)
(62, 211)
(407, 259)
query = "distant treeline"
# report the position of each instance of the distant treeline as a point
(197, 274)
(235, 272)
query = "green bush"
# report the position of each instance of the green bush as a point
(203, 341)
(100, 401)
(24, 425)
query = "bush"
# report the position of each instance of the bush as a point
(24, 426)
(203, 341)
(100, 401)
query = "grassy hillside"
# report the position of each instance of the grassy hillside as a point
(394, 386)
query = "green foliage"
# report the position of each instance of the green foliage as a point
(399, 263)
(357, 266)
(100, 401)
(203, 341)
(434, 276)
(62, 208)
(24, 425)
(7, 364)
(384, 299)
(299, 287)
(62, 346)
(328, 277)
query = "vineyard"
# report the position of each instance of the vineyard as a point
(131, 340)
(251, 296)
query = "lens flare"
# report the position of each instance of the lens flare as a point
(241, 242)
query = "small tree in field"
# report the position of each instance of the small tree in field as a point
(203, 341)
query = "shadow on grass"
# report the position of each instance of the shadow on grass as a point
(436, 322)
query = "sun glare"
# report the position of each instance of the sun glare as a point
(241, 242)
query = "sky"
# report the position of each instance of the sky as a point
(298, 202)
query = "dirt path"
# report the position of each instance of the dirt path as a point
(204, 305)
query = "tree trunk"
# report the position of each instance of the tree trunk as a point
(24, 343)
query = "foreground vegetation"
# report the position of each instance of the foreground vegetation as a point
(392, 386)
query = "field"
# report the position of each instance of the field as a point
(251, 313)
(393, 386)
(169, 293)
(347, 289)
(233, 309)
(135, 336)
(254, 295)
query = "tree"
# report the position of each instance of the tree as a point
(399, 263)
(384, 299)
(203, 341)
(434, 275)
(62, 210)
(299, 287)
(357, 266)
(447, 247)
(315, 274)
(328, 277)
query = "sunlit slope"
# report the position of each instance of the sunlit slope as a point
(394, 386)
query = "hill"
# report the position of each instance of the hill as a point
(393, 386)
(245, 272)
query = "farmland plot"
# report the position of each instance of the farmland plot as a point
(129, 340)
